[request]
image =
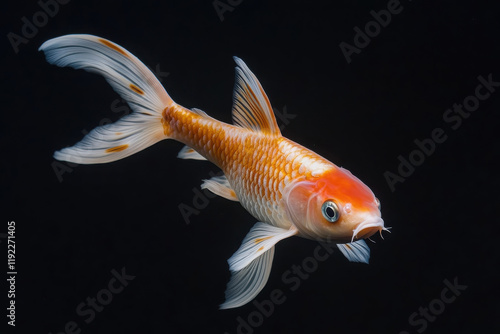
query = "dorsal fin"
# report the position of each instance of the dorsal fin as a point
(200, 112)
(251, 107)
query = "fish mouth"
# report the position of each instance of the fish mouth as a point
(369, 227)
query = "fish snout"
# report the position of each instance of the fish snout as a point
(368, 227)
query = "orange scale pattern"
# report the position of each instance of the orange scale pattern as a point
(257, 165)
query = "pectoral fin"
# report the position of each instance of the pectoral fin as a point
(261, 237)
(246, 283)
(219, 185)
(251, 264)
(357, 251)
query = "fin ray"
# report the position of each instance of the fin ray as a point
(357, 251)
(260, 238)
(251, 264)
(131, 79)
(189, 153)
(246, 283)
(219, 185)
(251, 107)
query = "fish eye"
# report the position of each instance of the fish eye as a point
(330, 211)
(378, 204)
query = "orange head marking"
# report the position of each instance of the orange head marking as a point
(335, 206)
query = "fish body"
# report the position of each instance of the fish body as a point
(288, 188)
(258, 166)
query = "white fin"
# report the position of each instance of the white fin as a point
(261, 237)
(251, 264)
(132, 80)
(200, 112)
(357, 251)
(189, 153)
(219, 185)
(251, 107)
(246, 284)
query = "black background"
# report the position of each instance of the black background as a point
(73, 230)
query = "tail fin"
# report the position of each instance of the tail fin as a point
(132, 80)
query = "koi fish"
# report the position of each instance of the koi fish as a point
(289, 189)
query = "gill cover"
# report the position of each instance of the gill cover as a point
(304, 200)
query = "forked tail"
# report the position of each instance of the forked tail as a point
(132, 80)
